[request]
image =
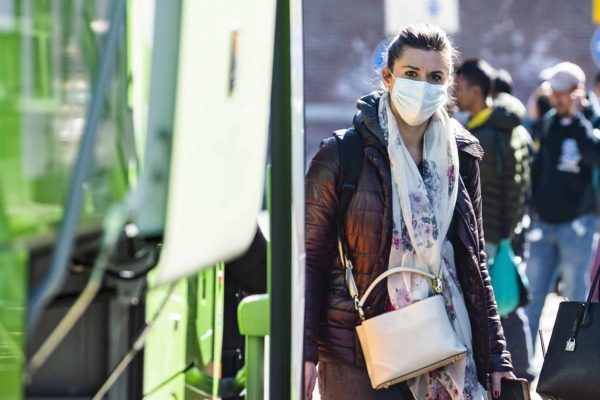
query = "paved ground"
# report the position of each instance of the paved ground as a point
(546, 325)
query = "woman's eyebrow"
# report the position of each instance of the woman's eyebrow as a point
(418, 69)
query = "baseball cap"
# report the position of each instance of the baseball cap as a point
(563, 76)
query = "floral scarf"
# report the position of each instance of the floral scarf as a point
(424, 198)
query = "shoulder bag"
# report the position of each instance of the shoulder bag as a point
(408, 342)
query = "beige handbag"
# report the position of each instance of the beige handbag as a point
(405, 343)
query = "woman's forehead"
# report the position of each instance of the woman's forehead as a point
(429, 60)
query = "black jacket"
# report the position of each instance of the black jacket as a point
(592, 111)
(562, 170)
(330, 318)
(505, 168)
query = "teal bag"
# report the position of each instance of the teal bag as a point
(505, 276)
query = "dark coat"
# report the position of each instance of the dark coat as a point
(505, 172)
(560, 195)
(330, 318)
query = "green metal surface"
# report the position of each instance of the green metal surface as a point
(13, 259)
(281, 212)
(172, 390)
(43, 95)
(193, 344)
(219, 305)
(13, 278)
(205, 316)
(165, 351)
(45, 70)
(254, 323)
(44, 91)
(187, 339)
(253, 315)
(255, 382)
(200, 385)
(269, 202)
(139, 66)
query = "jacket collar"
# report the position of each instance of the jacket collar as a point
(468, 143)
(481, 118)
(366, 120)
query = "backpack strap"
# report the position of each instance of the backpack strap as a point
(350, 151)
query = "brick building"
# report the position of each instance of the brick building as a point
(522, 36)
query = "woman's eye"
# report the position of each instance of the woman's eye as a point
(411, 74)
(436, 78)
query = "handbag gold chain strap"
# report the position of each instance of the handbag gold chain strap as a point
(436, 280)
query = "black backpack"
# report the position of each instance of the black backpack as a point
(350, 151)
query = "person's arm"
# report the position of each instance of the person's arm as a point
(321, 204)
(538, 155)
(588, 142)
(500, 360)
(536, 168)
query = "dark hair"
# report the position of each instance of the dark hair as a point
(597, 79)
(503, 82)
(543, 105)
(478, 72)
(422, 37)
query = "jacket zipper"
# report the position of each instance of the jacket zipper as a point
(380, 154)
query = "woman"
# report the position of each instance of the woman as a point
(412, 154)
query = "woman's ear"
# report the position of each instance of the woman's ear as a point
(387, 78)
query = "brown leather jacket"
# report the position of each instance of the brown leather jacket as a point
(330, 317)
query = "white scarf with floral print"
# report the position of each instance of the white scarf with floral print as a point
(423, 205)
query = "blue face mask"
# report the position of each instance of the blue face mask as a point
(416, 101)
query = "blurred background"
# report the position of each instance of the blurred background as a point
(344, 39)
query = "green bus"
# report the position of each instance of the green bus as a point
(145, 147)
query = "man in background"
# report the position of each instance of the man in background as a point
(560, 241)
(505, 174)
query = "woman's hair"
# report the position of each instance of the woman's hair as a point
(422, 37)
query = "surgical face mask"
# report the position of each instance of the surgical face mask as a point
(416, 101)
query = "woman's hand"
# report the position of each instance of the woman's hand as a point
(496, 377)
(310, 377)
